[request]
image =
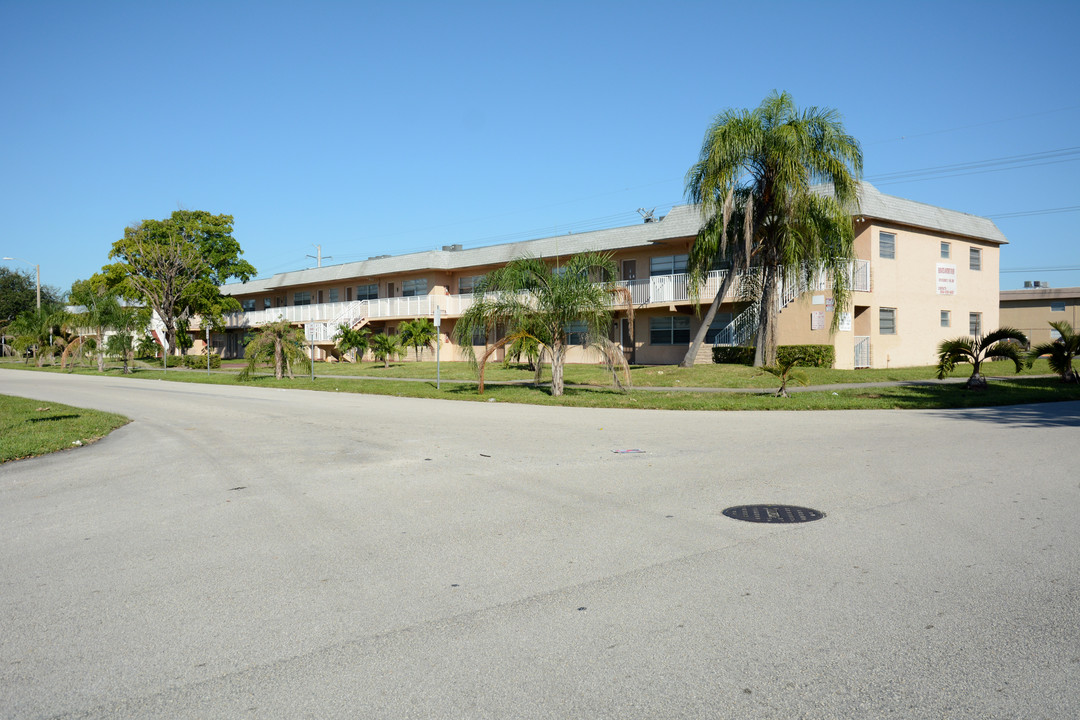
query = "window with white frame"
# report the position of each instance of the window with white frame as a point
(946, 319)
(975, 259)
(1057, 306)
(576, 333)
(416, 286)
(887, 321)
(946, 250)
(886, 246)
(367, 292)
(248, 305)
(467, 284)
(333, 295)
(668, 265)
(716, 328)
(301, 298)
(975, 324)
(670, 330)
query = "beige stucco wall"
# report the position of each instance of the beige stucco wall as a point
(1030, 310)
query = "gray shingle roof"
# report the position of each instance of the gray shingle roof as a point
(682, 222)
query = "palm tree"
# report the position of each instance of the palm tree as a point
(418, 334)
(1060, 352)
(529, 298)
(356, 341)
(278, 341)
(385, 346)
(101, 312)
(785, 370)
(33, 330)
(753, 182)
(1002, 344)
(121, 343)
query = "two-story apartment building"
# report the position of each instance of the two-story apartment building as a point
(1033, 308)
(923, 274)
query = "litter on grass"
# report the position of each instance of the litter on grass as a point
(623, 452)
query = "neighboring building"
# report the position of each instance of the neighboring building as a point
(923, 274)
(1032, 309)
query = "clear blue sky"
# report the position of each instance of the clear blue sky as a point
(396, 127)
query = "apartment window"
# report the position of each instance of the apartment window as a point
(886, 246)
(266, 303)
(716, 328)
(416, 286)
(668, 265)
(1057, 306)
(333, 295)
(468, 284)
(975, 259)
(946, 321)
(576, 333)
(302, 298)
(975, 324)
(671, 330)
(248, 305)
(887, 321)
(367, 292)
(479, 336)
(946, 250)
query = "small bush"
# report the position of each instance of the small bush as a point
(813, 355)
(822, 356)
(198, 362)
(733, 355)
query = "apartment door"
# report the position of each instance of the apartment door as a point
(389, 289)
(629, 269)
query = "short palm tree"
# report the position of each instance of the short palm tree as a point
(355, 341)
(1060, 353)
(121, 343)
(418, 334)
(753, 182)
(785, 370)
(529, 298)
(101, 311)
(277, 342)
(385, 346)
(33, 330)
(1002, 344)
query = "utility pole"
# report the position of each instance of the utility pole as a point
(318, 257)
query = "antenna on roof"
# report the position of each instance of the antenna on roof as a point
(647, 215)
(319, 257)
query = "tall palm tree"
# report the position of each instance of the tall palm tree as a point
(418, 334)
(279, 342)
(101, 311)
(753, 183)
(1060, 352)
(1002, 344)
(529, 298)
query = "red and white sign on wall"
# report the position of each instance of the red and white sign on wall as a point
(817, 320)
(946, 279)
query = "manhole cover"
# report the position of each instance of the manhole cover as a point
(773, 513)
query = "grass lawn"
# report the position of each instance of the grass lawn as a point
(32, 427)
(1013, 389)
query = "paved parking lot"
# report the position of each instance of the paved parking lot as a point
(247, 552)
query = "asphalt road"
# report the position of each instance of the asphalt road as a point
(247, 552)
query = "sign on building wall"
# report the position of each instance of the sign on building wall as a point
(817, 320)
(817, 300)
(845, 322)
(946, 279)
(830, 304)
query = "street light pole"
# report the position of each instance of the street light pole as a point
(37, 271)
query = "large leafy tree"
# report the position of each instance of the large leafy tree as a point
(18, 293)
(177, 265)
(1002, 344)
(753, 182)
(1060, 352)
(529, 298)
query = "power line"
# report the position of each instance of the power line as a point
(1030, 213)
(1054, 268)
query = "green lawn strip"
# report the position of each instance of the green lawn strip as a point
(31, 427)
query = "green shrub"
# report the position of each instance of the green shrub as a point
(813, 355)
(733, 355)
(198, 362)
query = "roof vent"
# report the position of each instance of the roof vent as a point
(378, 257)
(1042, 284)
(451, 248)
(1027, 284)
